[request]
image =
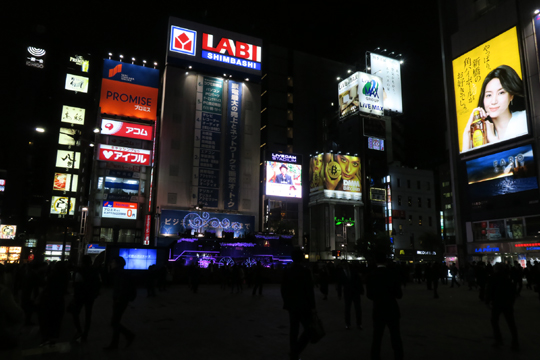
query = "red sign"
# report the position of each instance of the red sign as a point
(147, 224)
(124, 129)
(233, 48)
(123, 155)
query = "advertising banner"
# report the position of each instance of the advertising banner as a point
(233, 145)
(502, 173)
(67, 136)
(76, 83)
(360, 92)
(192, 44)
(63, 182)
(138, 259)
(284, 175)
(68, 159)
(123, 155)
(488, 79)
(147, 228)
(8, 231)
(337, 176)
(175, 222)
(390, 72)
(59, 205)
(129, 90)
(73, 115)
(207, 142)
(119, 210)
(124, 129)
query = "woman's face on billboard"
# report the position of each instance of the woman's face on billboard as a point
(349, 166)
(317, 163)
(496, 99)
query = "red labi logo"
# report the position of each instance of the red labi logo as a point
(117, 69)
(183, 42)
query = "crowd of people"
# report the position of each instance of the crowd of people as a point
(40, 293)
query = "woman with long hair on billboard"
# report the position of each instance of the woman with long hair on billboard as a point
(315, 171)
(500, 87)
(341, 172)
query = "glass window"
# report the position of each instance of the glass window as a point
(429, 203)
(514, 228)
(532, 226)
(428, 185)
(410, 200)
(400, 229)
(420, 221)
(408, 184)
(126, 235)
(106, 235)
(399, 199)
(410, 219)
(418, 185)
(114, 185)
(100, 183)
(419, 202)
(398, 182)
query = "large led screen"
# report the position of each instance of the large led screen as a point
(337, 175)
(488, 79)
(506, 172)
(283, 179)
(119, 210)
(138, 259)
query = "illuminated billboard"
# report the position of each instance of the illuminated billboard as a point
(73, 115)
(68, 159)
(67, 136)
(502, 173)
(119, 210)
(490, 94)
(8, 231)
(76, 83)
(59, 205)
(360, 92)
(63, 182)
(336, 176)
(2, 185)
(35, 57)
(283, 179)
(123, 155)
(124, 129)
(129, 90)
(79, 60)
(192, 44)
(375, 143)
(390, 72)
(138, 259)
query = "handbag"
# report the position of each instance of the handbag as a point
(316, 329)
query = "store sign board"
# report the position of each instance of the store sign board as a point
(125, 129)
(59, 205)
(119, 210)
(76, 83)
(8, 231)
(73, 115)
(123, 155)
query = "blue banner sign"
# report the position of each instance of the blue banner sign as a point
(174, 222)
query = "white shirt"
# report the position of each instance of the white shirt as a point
(517, 125)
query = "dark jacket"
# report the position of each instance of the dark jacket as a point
(500, 291)
(297, 289)
(384, 288)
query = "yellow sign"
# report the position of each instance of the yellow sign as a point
(487, 78)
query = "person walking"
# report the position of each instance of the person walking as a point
(124, 291)
(352, 289)
(501, 296)
(383, 288)
(258, 278)
(299, 300)
(11, 321)
(86, 285)
(454, 271)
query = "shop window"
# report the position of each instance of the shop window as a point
(126, 235)
(514, 228)
(400, 229)
(106, 235)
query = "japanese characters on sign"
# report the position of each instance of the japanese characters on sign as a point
(73, 115)
(390, 72)
(207, 144)
(494, 64)
(119, 210)
(123, 155)
(124, 129)
(360, 92)
(232, 147)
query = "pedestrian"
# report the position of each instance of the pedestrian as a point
(86, 285)
(471, 275)
(383, 288)
(11, 322)
(258, 278)
(481, 279)
(500, 295)
(435, 271)
(516, 274)
(299, 300)
(454, 271)
(352, 289)
(124, 291)
(324, 280)
(151, 277)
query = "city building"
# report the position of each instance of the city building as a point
(493, 152)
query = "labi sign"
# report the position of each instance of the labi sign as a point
(361, 92)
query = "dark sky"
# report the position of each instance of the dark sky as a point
(342, 33)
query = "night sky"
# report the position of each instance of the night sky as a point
(342, 34)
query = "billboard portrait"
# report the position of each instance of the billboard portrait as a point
(129, 90)
(502, 173)
(490, 95)
(337, 175)
(283, 179)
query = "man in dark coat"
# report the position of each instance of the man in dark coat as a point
(500, 294)
(352, 289)
(383, 288)
(299, 300)
(124, 291)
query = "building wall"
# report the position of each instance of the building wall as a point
(176, 145)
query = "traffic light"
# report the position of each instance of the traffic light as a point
(338, 253)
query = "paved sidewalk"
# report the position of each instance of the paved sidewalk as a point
(215, 324)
